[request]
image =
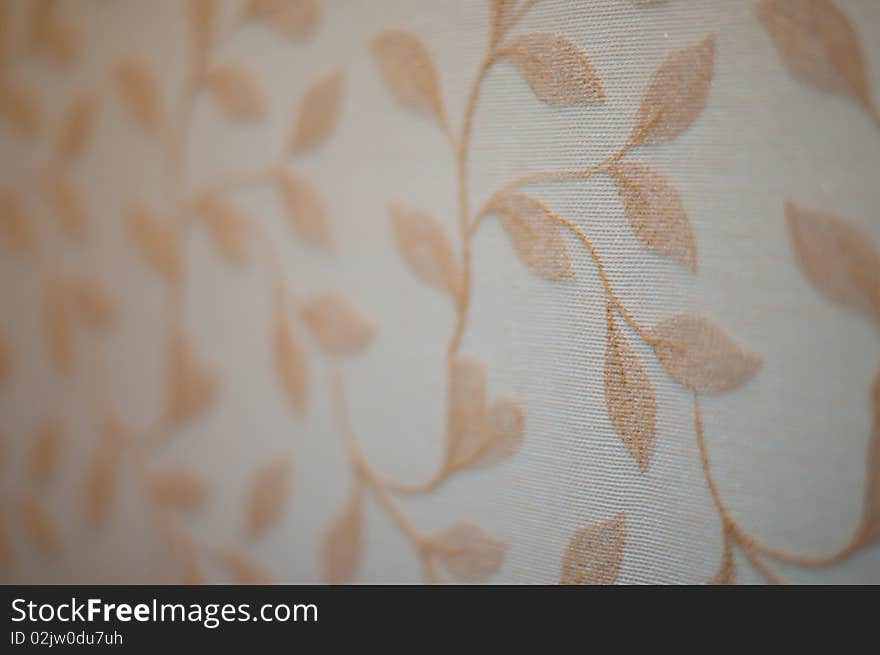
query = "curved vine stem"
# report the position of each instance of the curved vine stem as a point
(461, 148)
(750, 546)
(373, 482)
(464, 219)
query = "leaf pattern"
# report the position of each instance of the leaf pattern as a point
(90, 300)
(557, 71)
(318, 113)
(49, 36)
(295, 18)
(243, 570)
(139, 93)
(870, 527)
(676, 93)
(192, 385)
(45, 453)
(534, 231)
(478, 435)
(20, 107)
(179, 489)
(467, 551)
(818, 45)
(5, 366)
(304, 209)
(228, 226)
(268, 492)
(202, 14)
(505, 425)
(701, 356)
(101, 482)
(39, 527)
(838, 259)
(594, 553)
(466, 411)
(291, 364)
(237, 92)
(344, 542)
(16, 230)
(629, 397)
(655, 212)
(186, 553)
(68, 205)
(7, 554)
(337, 325)
(408, 71)
(77, 127)
(424, 245)
(158, 243)
(59, 333)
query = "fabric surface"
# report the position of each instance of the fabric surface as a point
(473, 291)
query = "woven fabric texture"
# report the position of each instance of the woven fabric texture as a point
(506, 291)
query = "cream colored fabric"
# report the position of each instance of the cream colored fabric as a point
(232, 464)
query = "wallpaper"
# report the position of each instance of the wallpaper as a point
(480, 291)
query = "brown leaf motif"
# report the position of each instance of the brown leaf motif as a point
(67, 203)
(467, 551)
(139, 93)
(237, 92)
(20, 107)
(535, 233)
(629, 397)
(178, 488)
(344, 542)
(16, 228)
(466, 409)
(838, 259)
(202, 14)
(228, 226)
(192, 385)
(39, 527)
(265, 501)
(243, 570)
(44, 456)
(818, 45)
(557, 71)
(304, 209)
(318, 113)
(5, 364)
(424, 245)
(92, 303)
(676, 93)
(701, 356)
(655, 212)
(478, 435)
(505, 425)
(77, 126)
(101, 482)
(337, 325)
(594, 553)
(294, 18)
(59, 331)
(290, 357)
(408, 72)
(158, 244)
(870, 527)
